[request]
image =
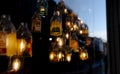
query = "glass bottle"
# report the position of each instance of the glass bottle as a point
(3, 49)
(36, 23)
(42, 7)
(24, 40)
(7, 36)
(56, 24)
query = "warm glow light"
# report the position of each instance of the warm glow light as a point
(81, 31)
(83, 55)
(21, 45)
(11, 44)
(75, 27)
(68, 57)
(16, 65)
(67, 35)
(65, 10)
(60, 55)
(52, 55)
(60, 41)
(68, 23)
(72, 29)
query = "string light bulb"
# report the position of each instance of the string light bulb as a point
(83, 55)
(67, 35)
(16, 64)
(68, 57)
(52, 55)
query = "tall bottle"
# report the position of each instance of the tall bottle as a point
(7, 36)
(24, 40)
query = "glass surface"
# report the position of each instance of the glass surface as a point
(93, 13)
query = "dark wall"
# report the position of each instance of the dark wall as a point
(113, 32)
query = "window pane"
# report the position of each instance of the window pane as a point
(93, 13)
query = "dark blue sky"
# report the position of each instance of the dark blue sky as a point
(93, 13)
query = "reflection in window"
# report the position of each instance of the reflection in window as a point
(93, 13)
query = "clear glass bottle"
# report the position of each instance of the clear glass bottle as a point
(8, 36)
(24, 40)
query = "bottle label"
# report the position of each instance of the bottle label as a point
(56, 28)
(3, 43)
(36, 25)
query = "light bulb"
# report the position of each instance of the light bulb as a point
(50, 39)
(75, 27)
(60, 55)
(82, 22)
(83, 55)
(52, 55)
(16, 65)
(22, 45)
(68, 57)
(68, 23)
(65, 10)
(60, 42)
(67, 35)
(80, 31)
